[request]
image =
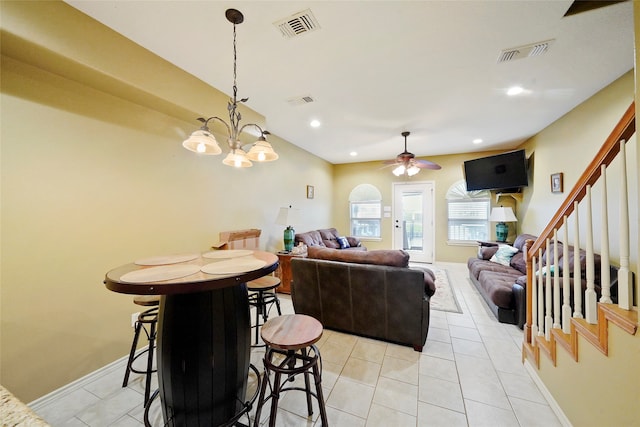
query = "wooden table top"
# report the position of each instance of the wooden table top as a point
(196, 282)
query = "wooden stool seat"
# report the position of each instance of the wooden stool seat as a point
(146, 300)
(262, 296)
(291, 351)
(264, 283)
(291, 332)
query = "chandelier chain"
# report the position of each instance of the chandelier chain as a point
(235, 84)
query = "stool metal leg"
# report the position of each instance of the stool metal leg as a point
(152, 340)
(307, 387)
(149, 317)
(134, 344)
(318, 380)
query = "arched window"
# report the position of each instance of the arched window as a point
(365, 207)
(467, 213)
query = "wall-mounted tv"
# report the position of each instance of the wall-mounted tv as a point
(507, 171)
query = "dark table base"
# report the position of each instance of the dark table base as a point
(203, 355)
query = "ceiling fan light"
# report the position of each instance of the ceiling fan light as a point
(237, 158)
(399, 170)
(413, 170)
(202, 142)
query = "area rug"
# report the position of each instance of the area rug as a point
(445, 297)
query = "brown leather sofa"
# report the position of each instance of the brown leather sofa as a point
(504, 287)
(373, 294)
(328, 238)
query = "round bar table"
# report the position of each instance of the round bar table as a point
(204, 332)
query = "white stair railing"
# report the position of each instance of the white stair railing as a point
(552, 307)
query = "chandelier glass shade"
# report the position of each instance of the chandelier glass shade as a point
(202, 140)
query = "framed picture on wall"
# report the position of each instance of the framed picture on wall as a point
(556, 182)
(310, 192)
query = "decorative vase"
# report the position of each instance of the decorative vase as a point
(288, 238)
(502, 231)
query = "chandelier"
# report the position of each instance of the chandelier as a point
(202, 140)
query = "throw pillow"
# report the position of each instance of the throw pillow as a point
(504, 254)
(343, 242)
(546, 269)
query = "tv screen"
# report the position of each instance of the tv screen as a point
(506, 171)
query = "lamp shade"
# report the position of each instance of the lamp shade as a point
(502, 214)
(288, 216)
(202, 142)
(262, 151)
(237, 158)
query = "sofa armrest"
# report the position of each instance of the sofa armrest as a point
(486, 252)
(354, 242)
(520, 301)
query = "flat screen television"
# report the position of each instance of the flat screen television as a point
(507, 172)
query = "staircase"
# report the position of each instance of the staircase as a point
(557, 312)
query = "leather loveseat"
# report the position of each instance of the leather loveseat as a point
(329, 238)
(373, 294)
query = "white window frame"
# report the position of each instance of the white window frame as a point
(473, 226)
(368, 196)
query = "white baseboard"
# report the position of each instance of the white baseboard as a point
(547, 395)
(119, 364)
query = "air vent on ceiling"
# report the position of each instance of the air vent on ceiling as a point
(533, 49)
(300, 100)
(297, 24)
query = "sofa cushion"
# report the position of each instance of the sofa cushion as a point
(392, 258)
(504, 254)
(330, 237)
(498, 287)
(522, 239)
(476, 266)
(519, 263)
(310, 238)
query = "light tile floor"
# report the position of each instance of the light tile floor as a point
(469, 374)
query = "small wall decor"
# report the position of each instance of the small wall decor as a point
(556, 182)
(310, 192)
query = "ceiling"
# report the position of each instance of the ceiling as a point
(376, 68)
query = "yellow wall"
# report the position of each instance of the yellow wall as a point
(568, 146)
(93, 177)
(348, 176)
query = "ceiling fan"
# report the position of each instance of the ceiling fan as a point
(407, 164)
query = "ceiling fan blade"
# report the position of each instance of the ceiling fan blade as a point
(426, 164)
(390, 162)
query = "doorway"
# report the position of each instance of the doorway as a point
(413, 212)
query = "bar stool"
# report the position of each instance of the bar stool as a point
(262, 298)
(291, 350)
(147, 321)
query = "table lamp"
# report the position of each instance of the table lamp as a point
(288, 216)
(502, 215)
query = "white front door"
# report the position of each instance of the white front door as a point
(413, 211)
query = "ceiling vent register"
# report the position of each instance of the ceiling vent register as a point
(533, 49)
(297, 24)
(300, 100)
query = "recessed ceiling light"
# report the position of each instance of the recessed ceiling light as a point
(314, 123)
(353, 154)
(477, 141)
(515, 90)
